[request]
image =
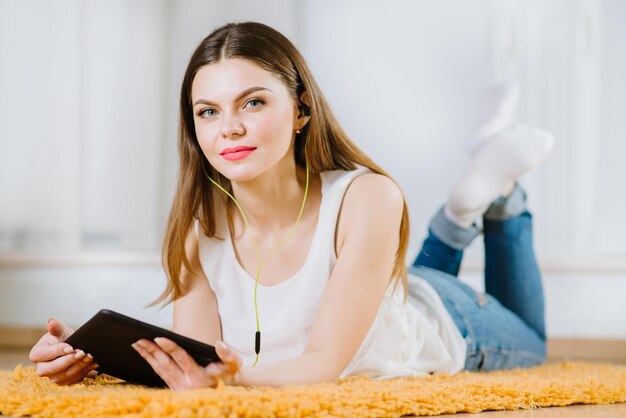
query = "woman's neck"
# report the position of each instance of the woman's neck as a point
(272, 201)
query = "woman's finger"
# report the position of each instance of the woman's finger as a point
(78, 377)
(89, 371)
(74, 370)
(56, 366)
(156, 352)
(186, 363)
(44, 351)
(160, 362)
(216, 369)
(229, 356)
(59, 329)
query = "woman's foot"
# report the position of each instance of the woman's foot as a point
(495, 166)
(495, 113)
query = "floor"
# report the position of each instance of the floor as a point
(10, 358)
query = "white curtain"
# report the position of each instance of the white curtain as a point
(39, 124)
(81, 124)
(570, 59)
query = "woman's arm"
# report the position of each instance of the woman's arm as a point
(195, 313)
(367, 240)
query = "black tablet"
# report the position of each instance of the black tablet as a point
(108, 337)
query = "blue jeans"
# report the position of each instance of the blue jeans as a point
(504, 328)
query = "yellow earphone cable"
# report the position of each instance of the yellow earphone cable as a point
(256, 247)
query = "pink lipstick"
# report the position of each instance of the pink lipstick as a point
(237, 153)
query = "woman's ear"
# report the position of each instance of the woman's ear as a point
(304, 99)
(304, 110)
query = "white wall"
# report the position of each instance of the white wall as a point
(577, 304)
(403, 78)
(404, 81)
(73, 292)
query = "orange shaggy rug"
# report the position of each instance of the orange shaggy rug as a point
(23, 393)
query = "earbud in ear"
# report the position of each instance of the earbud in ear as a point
(304, 110)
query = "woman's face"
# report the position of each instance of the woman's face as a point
(244, 118)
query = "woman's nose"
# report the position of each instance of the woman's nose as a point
(232, 126)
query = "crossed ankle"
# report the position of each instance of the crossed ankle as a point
(506, 207)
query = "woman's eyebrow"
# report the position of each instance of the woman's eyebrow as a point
(239, 97)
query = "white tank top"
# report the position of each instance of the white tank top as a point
(405, 339)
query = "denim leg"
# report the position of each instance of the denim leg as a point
(503, 328)
(496, 338)
(443, 248)
(511, 272)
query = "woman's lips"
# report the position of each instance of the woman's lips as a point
(237, 153)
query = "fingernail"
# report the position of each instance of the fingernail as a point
(68, 350)
(223, 344)
(88, 358)
(50, 319)
(79, 354)
(95, 365)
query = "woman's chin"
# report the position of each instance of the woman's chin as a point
(239, 174)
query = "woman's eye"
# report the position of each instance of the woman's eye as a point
(254, 103)
(207, 113)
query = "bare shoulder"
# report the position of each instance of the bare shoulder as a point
(374, 191)
(372, 207)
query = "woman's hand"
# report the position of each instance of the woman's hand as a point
(180, 371)
(58, 360)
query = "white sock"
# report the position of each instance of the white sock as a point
(495, 113)
(493, 170)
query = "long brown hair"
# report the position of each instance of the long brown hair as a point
(327, 145)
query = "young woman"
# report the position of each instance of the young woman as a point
(281, 228)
